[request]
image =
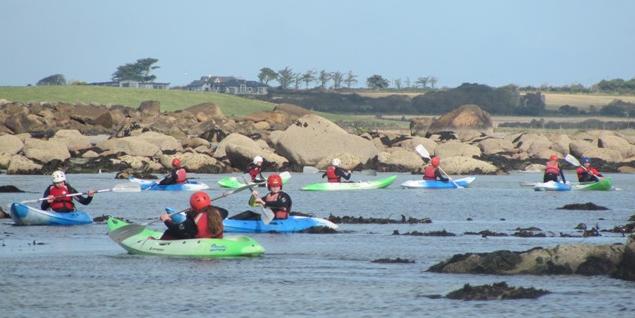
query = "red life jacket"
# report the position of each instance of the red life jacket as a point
(552, 168)
(331, 176)
(590, 171)
(254, 172)
(61, 202)
(181, 176)
(202, 229)
(280, 213)
(429, 173)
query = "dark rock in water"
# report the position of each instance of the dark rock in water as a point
(468, 219)
(531, 228)
(581, 226)
(502, 219)
(298, 213)
(601, 219)
(595, 266)
(100, 219)
(589, 206)
(362, 220)
(10, 189)
(524, 233)
(4, 214)
(496, 291)
(127, 173)
(632, 218)
(36, 243)
(626, 268)
(393, 261)
(432, 233)
(486, 233)
(624, 229)
(482, 263)
(320, 230)
(591, 232)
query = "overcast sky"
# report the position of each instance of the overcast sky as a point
(492, 42)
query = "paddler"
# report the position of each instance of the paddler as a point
(202, 220)
(552, 170)
(278, 201)
(334, 173)
(176, 175)
(587, 173)
(432, 171)
(56, 195)
(254, 169)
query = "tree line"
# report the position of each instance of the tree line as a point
(612, 86)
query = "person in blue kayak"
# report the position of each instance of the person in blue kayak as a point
(254, 169)
(587, 173)
(432, 171)
(279, 202)
(176, 175)
(57, 198)
(552, 170)
(202, 220)
(334, 173)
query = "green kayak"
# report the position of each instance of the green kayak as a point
(234, 182)
(364, 185)
(605, 184)
(138, 239)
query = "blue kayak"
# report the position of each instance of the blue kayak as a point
(151, 185)
(26, 215)
(552, 186)
(434, 184)
(292, 224)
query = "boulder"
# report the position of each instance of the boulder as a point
(613, 142)
(23, 165)
(139, 163)
(274, 136)
(197, 162)
(25, 123)
(466, 165)
(626, 268)
(492, 146)
(419, 126)
(45, 151)
(164, 142)
(466, 117)
(313, 138)
(5, 159)
(348, 161)
(210, 110)
(235, 139)
(579, 147)
(560, 143)
(606, 154)
(90, 154)
(73, 139)
(626, 169)
(399, 159)
(262, 125)
(411, 143)
(85, 114)
(525, 141)
(10, 144)
(133, 146)
(195, 142)
(294, 111)
(456, 148)
(241, 155)
(535, 167)
(150, 107)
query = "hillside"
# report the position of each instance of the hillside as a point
(170, 99)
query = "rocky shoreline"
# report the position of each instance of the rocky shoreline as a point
(37, 138)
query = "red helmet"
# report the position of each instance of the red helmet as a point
(176, 162)
(436, 161)
(274, 180)
(553, 157)
(200, 200)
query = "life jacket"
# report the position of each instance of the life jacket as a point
(588, 174)
(181, 175)
(552, 168)
(279, 213)
(202, 229)
(331, 174)
(61, 201)
(429, 173)
(254, 171)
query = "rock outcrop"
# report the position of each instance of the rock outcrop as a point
(466, 117)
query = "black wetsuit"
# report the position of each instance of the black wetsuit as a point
(186, 229)
(340, 173)
(169, 178)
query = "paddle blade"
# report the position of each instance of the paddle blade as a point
(421, 150)
(127, 187)
(122, 233)
(309, 169)
(369, 172)
(266, 215)
(285, 175)
(572, 160)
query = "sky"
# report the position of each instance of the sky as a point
(491, 42)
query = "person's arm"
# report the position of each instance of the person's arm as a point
(45, 203)
(323, 175)
(343, 173)
(169, 178)
(562, 176)
(85, 200)
(283, 202)
(440, 176)
(184, 230)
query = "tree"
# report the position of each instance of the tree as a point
(285, 76)
(407, 82)
(138, 71)
(423, 81)
(308, 77)
(376, 82)
(324, 78)
(397, 83)
(433, 81)
(297, 79)
(266, 75)
(350, 79)
(337, 78)
(53, 80)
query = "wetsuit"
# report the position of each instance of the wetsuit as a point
(255, 172)
(588, 175)
(552, 171)
(175, 176)
(63, 204)
(189, 228)
(279, 203)
(335, 174)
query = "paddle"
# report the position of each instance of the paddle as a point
(574, 161)
(125, 187)
(265, 213)
(313, 170)
(421, 150)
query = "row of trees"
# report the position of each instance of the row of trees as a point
(613, 86)
(137, 71)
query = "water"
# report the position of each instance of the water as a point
(80, 272)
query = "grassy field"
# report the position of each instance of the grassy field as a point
(582, 101)
(170, 99)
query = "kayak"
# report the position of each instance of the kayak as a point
(364, 185)
(26, 215)
(434, 184)
(292, 224)
(552, 186)
(138, 239)
(605, 184)
(233, 182)
(151, 185)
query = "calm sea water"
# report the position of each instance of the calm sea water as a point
(80, 272)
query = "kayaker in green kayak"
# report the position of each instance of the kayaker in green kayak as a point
(176, 175)
(57, 195)
(254, 169)
(432, 171)
(202, 220)
(334, 173)
(279, 202)
(587, 173)
(552, 170)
